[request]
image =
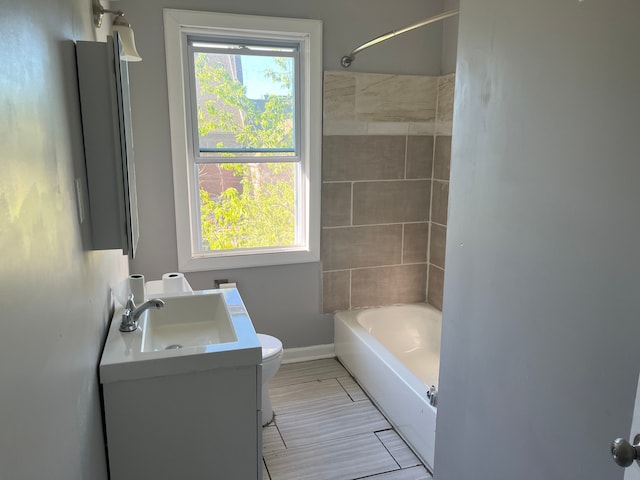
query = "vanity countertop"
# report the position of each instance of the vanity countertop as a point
(123, 358)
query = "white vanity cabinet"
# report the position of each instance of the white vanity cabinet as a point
(194, 426)
(188, 413)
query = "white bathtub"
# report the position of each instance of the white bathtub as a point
(394, 353)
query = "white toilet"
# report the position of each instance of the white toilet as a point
(271, 359)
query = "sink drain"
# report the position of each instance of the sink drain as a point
(175, 346)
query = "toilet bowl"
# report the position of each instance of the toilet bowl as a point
(271, 359)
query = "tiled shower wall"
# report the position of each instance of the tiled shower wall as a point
(386, 152)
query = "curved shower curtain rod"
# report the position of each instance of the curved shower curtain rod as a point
(348, 59)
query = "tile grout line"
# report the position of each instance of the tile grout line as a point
(440, 224)
(375, 225)
(373, 477)
(275, 423)
(406, 155)
(351, 206)
(433, 171)
(386, 265)
(350, 289)
(402, 245)
(345, 390)
(383, 180)
(330, 441)
(266, 467)
(350, 273)
(387, 449)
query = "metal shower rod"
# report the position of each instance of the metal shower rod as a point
(348, 59)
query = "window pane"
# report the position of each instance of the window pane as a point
(245, 103)
(247, 205)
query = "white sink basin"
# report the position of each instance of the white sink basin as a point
(213, 328)
(190, 321)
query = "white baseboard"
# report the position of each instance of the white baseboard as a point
(304, 354)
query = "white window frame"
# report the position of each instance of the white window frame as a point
(178, 24)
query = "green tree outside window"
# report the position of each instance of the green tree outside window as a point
(261, 212)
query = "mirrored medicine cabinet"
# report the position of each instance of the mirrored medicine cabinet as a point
(103, 79)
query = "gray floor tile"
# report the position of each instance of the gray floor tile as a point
(398, 449)
(271, 439)
(415, 473)
(328, 423)
(353, 389)
(292, 373)
(343, 459)
(326, 428)
(304, 396)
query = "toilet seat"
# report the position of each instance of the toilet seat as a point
(271, 347)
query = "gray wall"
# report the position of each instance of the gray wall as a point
(269, 292)
(450, 38)
(540, 332)
(54, 295)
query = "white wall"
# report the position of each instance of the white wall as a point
(54, 295)
(541, 316)
(283, 301)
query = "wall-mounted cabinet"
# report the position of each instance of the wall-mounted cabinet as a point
(108, 144)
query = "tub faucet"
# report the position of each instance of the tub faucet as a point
(131, 313)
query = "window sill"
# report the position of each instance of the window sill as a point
(200, 263)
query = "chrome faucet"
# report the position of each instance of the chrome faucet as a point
(131, 313)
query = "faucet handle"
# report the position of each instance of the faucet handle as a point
(130, 303)
(128, 323)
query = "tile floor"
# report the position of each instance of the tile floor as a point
(326, 428)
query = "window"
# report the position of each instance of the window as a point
(245, 111)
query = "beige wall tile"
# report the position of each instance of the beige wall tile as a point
(436, 285)
(388, 285)
(396, 98)
(422, 128)
(335, 291)
(415, 241)
(387, 128)
(343, 127)
(352, 247)
(367, 118)
(339, 95)
(443, 128)
(440, 201)
(446, 86)
(437, 244)
(391, 202)
(419, 156)
(442, 158)
(378, 157)
(336, 204)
